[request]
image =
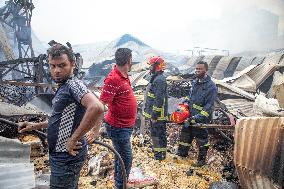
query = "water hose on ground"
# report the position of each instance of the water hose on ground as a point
(119, 158)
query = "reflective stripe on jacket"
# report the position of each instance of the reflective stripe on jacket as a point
(201, 100)
(156, 106)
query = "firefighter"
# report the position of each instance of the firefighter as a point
(156, 107)
(201, 104)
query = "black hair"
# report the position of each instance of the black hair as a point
(56, 50)
(204, 63)
(122, 56)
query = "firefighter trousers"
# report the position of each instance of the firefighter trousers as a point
(159, 139)
(186, 137)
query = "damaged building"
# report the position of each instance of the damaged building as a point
(246, 134)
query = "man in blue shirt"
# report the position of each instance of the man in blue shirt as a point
(75, 110)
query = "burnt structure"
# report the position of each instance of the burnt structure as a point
(17, 15)
(23, 77)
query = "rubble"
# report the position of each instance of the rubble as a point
(266, 107)
(278, 88)
(239, 95)
(170, 173)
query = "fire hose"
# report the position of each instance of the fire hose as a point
(43, 136)
(119, 158)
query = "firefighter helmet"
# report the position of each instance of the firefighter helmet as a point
(158, 62)
(181, 114)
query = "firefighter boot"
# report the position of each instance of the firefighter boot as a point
(201, 157)
(159, 151)
(160, 156)
(182, 151)
(185, 142)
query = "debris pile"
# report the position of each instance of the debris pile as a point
(253, 91)
(170, 173)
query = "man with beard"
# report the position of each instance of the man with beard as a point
(201, 105)
(120, 118)
(75, 111)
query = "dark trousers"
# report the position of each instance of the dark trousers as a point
(186, 137)
(159, 139)
(120, 138)
(65, 175)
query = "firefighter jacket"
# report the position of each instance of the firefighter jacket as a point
(201, 100)
(156, 105)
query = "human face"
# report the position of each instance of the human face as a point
(152, 68)
(200, 71)
(60, 67)
(130, 63)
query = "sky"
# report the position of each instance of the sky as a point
(167, 25)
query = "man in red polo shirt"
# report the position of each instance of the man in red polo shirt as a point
(122, 108)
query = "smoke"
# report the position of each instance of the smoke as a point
(274, 6)
(254, 25)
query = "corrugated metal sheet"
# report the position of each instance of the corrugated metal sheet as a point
(189, 67)
(274, 80)
(277, 88)
(238, 74)
(218, 73)
(260, 73)
(246, 83)
(239, 107)
(259, 152)
(244, 63)
(213, 64)
(225, 86)
(208, 59)
(247, 61)
(230, 70)
(193, 60)
(16, 171)
(257, 60)
(281, 61)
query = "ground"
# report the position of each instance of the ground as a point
(170, 173)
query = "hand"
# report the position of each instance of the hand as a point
(25, 126)
(187, 122)
(73, 146)
(91, 136)
(153, 120)
(185, 101)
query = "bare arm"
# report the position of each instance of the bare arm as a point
(29, 126)
(93, 115)
(95, 132)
